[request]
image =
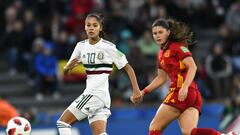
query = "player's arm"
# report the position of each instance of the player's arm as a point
(137, 96)
(70, 65)
(192, 68)
(128, 68)
(159, 80)
(73, 61)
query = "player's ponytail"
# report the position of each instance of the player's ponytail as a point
(179, 31)
(100, 19)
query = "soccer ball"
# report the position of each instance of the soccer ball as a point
(18, 126)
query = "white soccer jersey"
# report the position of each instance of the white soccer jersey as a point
(97, 60)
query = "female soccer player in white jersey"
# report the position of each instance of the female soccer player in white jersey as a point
(97, 55)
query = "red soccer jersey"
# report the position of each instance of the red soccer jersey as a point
(170, 60)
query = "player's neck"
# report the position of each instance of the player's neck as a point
(164, 46)
(93, 41)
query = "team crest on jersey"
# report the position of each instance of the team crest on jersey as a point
(167, 53)
(100, 55)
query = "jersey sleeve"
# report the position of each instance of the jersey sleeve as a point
(75, 54)
(182, 52)
(119, 59)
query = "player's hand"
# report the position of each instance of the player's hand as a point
(182, 94)
(70, 66)
(136, 98)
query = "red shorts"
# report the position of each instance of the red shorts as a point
(193, 99)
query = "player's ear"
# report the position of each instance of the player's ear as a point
(168, 32)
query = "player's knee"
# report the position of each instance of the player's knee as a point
(99, 132)
(153, 127)
(186, 131)
(61, 124)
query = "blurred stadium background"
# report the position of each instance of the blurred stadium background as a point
(32, 27)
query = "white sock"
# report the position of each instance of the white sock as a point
(64, 128)
(103, 133)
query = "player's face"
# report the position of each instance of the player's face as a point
(160, 34)
(92, 27)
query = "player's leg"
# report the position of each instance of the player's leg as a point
(71, 115)
(64, 123)
(98, 116)
(163, 117)
(99, 127)
(188, 120)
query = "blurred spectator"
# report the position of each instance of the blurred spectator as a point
(7, 111)
(126, 41)
(224, 36)
(13, 42)
(10, 18)
(130, 8)
(182, 10)
(233, 19)
(202, 79)
(143, 22)
(3, 5)
(161, 12)
(149, 49)
(232, 104)
(235, 95)
(29, 25)
(117, 19)
(75, 23)
(134, 56)
(82, 6)
(18, 5)
(151, 8)
(99, 6)
(46, 68)
(218, 10)
(56, 26)
(219, 68)
(63, 47)
(147, 45)
(61, 7)
(37, 48)
(79, 9)
(41, 7)
(236, 63)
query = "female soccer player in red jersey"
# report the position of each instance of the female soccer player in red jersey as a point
(183, 101)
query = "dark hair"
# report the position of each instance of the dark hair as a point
(179, 31)
(100, 19)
